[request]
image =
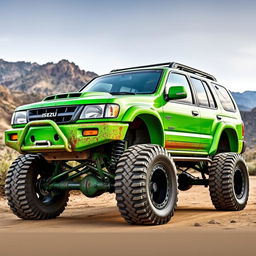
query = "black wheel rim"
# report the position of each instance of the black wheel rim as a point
(239, 183)
(159, 187)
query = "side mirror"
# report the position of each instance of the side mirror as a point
(177, 93)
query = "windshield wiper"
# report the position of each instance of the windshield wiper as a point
(123, 93)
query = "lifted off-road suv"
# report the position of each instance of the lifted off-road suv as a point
(137, 132)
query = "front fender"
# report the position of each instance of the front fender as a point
(152, 120)
(135, 111)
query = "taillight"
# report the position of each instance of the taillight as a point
(243, 129)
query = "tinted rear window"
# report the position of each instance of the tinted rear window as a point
(225, 99)
(200, 92)
(212, 103)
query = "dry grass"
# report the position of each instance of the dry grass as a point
(250, 158)
(7, 156)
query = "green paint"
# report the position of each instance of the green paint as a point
(177, 92)
(71, 138)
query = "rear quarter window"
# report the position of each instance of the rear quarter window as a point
(225, 98)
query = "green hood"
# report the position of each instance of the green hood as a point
(78, 98)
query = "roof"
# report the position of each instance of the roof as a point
(173, 65)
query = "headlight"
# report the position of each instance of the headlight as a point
(93, 111)
(100, 111)
(19, 117)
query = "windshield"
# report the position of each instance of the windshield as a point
(136, 82)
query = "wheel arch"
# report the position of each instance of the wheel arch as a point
(154, 127)
(152, 121)
(228, 131)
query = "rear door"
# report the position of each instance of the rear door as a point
(181, 118)
(208, 112)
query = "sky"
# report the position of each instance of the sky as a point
(218, 37)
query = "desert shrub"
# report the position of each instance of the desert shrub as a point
(250, 158)
(252, 167)
(7, 156)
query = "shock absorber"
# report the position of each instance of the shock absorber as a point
(117, 149)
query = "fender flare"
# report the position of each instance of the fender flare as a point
(152, 120)
(231, 132)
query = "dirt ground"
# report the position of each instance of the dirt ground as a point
(101, 215)
(87, 221)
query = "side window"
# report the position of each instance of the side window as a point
(225, 98)
(200, 92)
(180, 80)
(211, 100)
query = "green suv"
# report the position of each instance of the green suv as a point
(139, 132)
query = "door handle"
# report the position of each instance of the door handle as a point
(195, 113)
(219, 117)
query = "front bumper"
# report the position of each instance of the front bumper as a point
(67, 137)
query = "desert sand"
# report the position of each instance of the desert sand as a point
(194, 212)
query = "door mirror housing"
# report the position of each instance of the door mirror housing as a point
(177, 93)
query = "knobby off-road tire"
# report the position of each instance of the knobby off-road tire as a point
(23, 192)
(146, 185)
(229, 182)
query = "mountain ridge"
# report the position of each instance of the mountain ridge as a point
(49, 78)
(245, 100)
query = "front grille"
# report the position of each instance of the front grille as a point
(57, 114)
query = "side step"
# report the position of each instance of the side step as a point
(191, 159)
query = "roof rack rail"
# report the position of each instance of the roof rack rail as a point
(195, 71)
(146, 66)
(173, 65)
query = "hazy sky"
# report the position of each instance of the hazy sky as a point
(216, 36)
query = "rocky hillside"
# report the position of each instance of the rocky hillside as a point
(46, 79)
(9, 100)
(10, 71)
(24, 82)
(249, 118)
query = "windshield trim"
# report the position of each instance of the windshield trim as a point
(131, 71)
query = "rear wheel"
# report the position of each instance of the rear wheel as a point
(24, 189)
(146, 185)
(229, 182)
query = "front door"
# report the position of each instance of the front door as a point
(181, 119)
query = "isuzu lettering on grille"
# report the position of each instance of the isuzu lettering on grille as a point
(50, 114)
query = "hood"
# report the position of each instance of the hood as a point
(83, 98)
(73, 98)
(76, 95)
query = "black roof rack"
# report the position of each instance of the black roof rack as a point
(174, 65)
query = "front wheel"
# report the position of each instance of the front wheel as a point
(24, 191)
(229, 182)
(146, 185)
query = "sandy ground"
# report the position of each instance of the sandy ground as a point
(96, 227)
(101, 215)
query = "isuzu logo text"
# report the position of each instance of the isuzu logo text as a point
(50, 114)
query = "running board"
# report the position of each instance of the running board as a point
(190, 159)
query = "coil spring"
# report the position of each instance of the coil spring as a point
(117, 150)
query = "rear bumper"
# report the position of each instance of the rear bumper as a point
(67, 137)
